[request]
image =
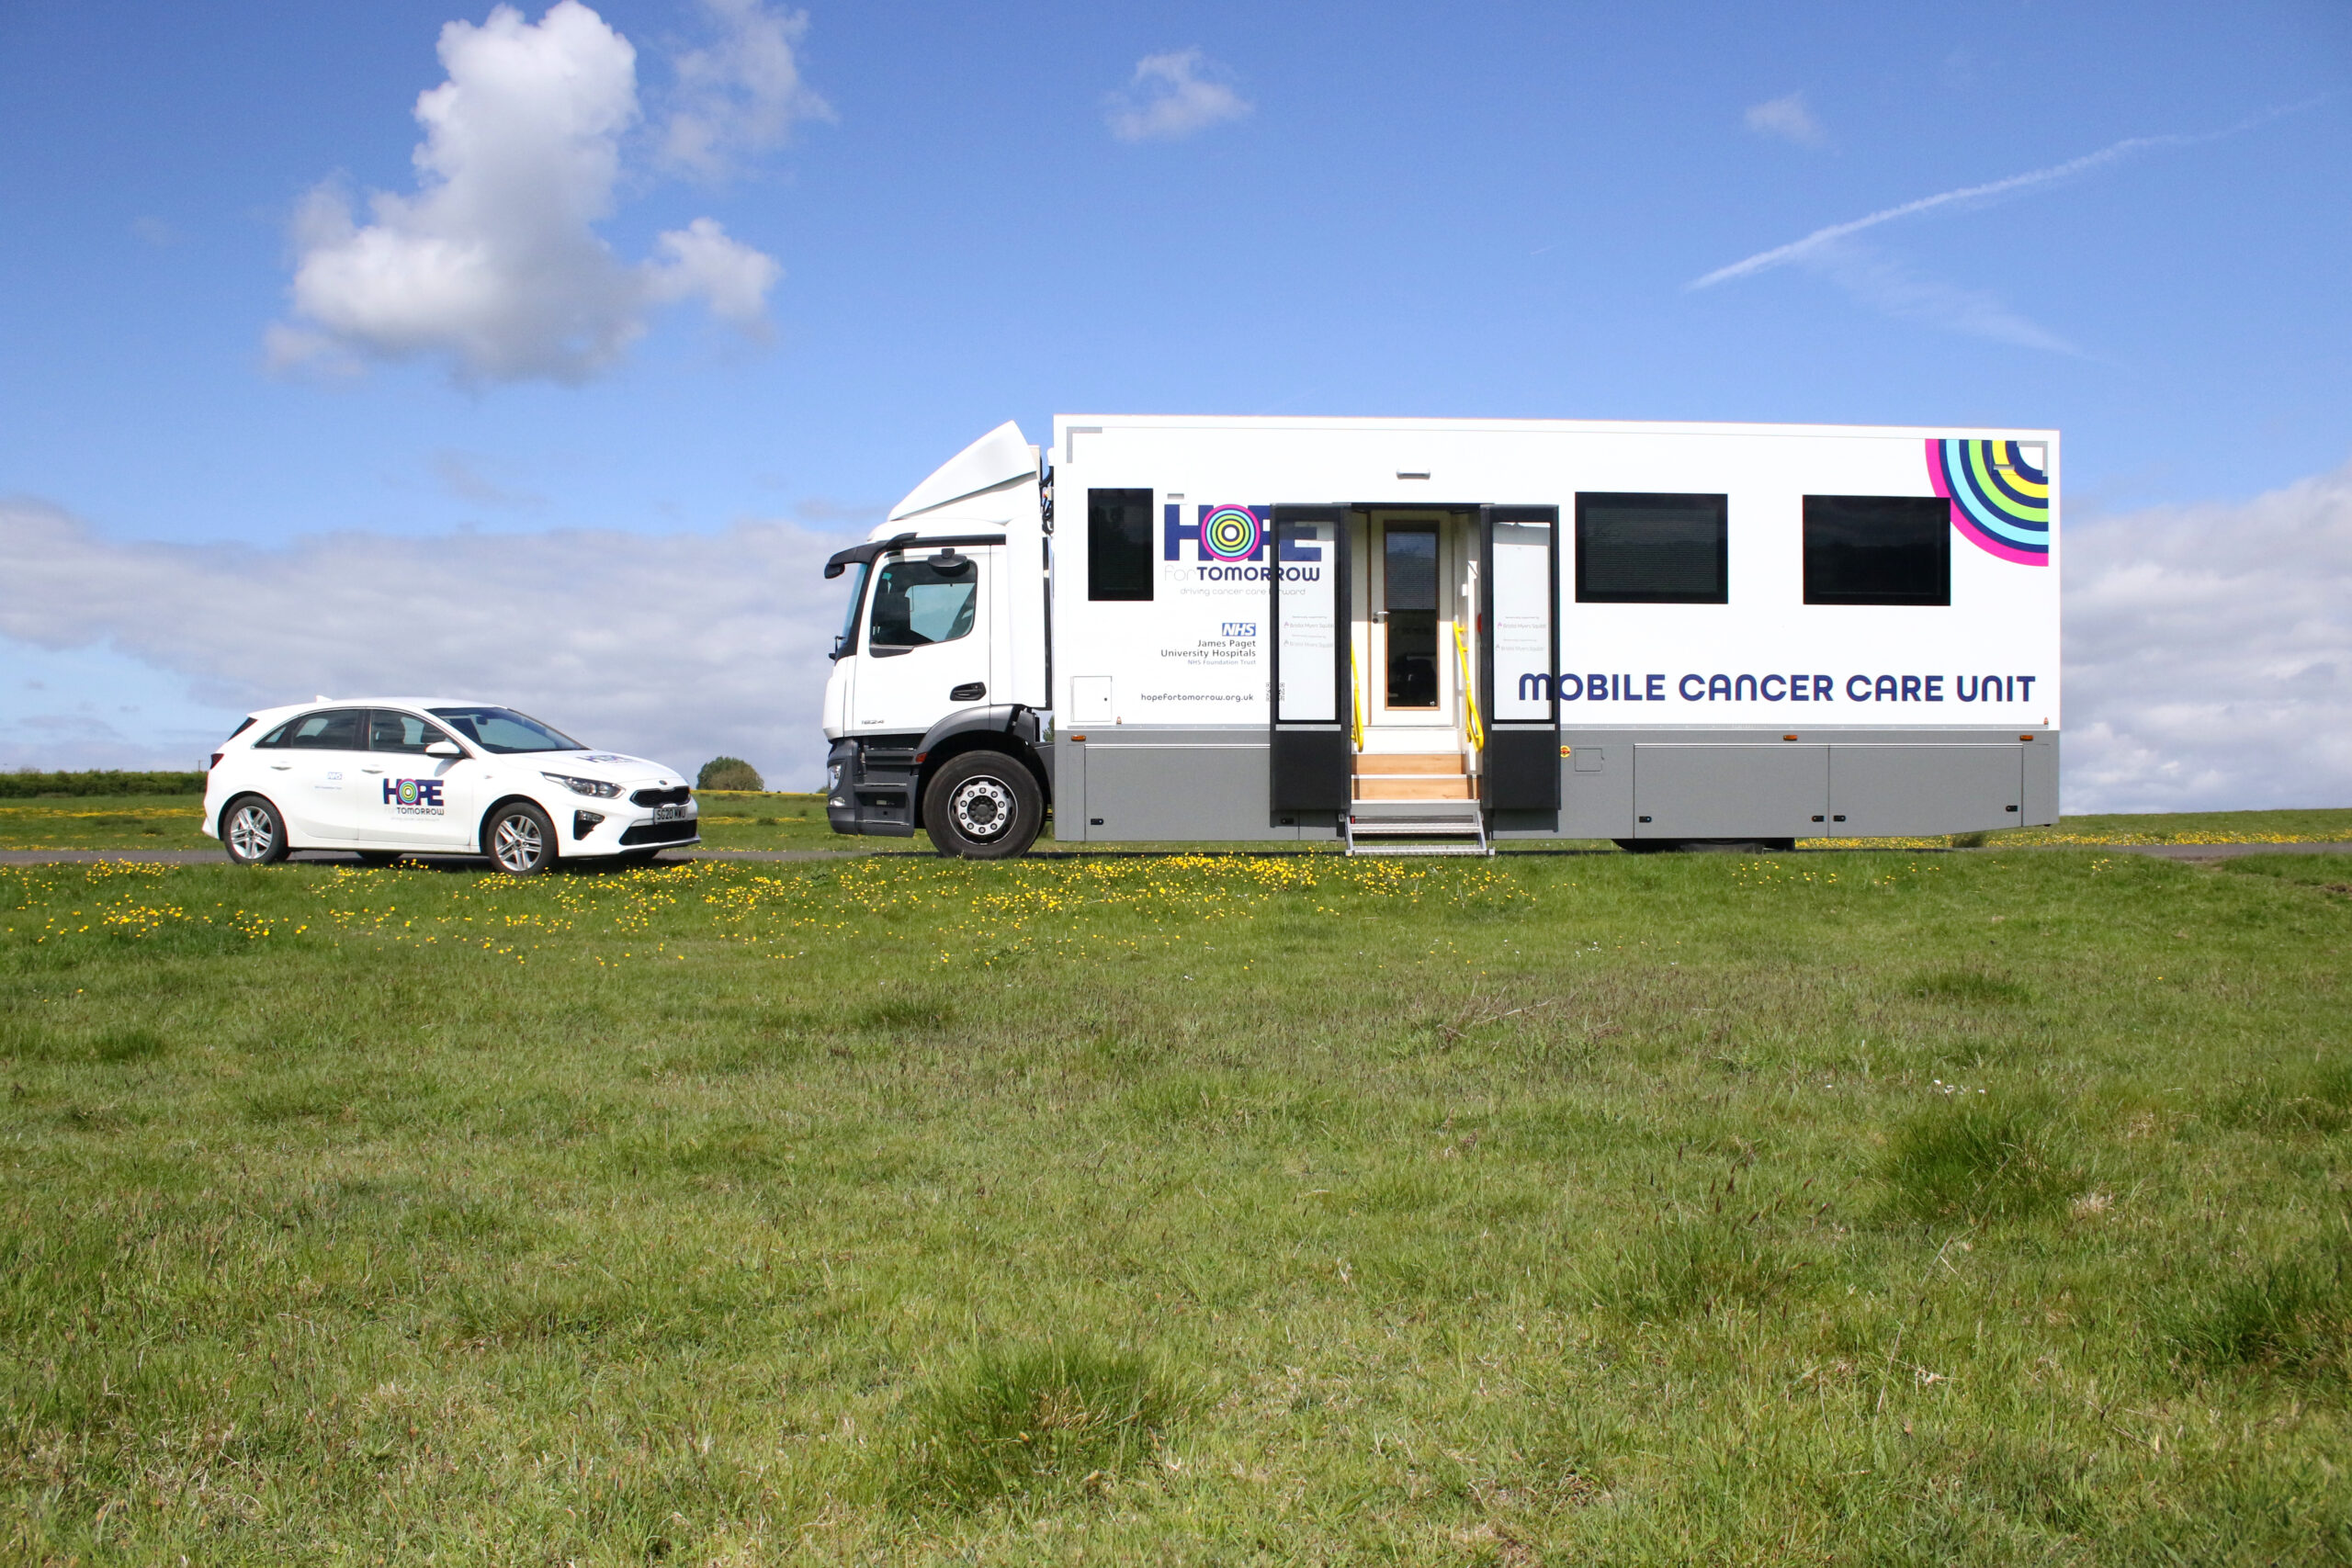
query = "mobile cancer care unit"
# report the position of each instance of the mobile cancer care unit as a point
(1428, 634)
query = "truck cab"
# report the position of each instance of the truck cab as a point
(937, 706)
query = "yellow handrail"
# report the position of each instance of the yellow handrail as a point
(1469, 695)
(1355, 689)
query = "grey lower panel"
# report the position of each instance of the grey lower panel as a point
(1721, 784)
(1888, 791)
(1596, 790)
(1155, 784)
(1170, 787)
(1730, 792)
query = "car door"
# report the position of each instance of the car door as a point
(415, 800)
(320, 757)
(926, 646)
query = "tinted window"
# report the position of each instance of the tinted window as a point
(335, 729)
(505, 731)
(390, 731)
(1877, 550)
(917, 602)
(1652, 550)
(1118, 543)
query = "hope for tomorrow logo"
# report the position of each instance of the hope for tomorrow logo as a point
(1227, 535)
(413, 794)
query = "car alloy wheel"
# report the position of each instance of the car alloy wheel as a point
(520, 840)
(252, 833)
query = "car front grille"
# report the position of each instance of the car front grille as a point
(658, 833)
(677, 796)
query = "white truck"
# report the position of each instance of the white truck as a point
(1422, 636)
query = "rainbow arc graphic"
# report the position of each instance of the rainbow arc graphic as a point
(1999, 502)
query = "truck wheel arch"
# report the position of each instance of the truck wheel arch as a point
(1007, 729)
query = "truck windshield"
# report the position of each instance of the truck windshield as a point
(847, 642)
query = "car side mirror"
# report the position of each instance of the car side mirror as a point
(443, 749)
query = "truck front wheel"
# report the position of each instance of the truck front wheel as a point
(983, 805)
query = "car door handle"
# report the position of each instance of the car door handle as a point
(371, 769)
(281, 767)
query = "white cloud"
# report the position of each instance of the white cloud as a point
(1174, 95)
(2209, 654)
(700, 262)
(1789, 119)
(741, 95)
(681, 647)
(494, 263)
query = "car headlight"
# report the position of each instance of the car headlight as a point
(596, 787)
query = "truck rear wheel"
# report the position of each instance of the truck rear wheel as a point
(983, 805)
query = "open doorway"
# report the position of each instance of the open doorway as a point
(1416, 642)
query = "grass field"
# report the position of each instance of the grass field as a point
(744, 821)
(1872, 1208)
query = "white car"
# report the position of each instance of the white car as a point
(389, 776)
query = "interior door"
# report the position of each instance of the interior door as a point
(1312, 759)
(1412, 568)
(1519, 655)
(925, 652)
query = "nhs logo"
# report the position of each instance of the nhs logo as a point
(1239, 628)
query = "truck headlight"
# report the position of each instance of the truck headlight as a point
(596, 787)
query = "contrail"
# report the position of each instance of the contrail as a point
(1797, 249)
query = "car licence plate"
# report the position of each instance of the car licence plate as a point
(669, 814)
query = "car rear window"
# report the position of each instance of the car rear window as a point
(334, 729)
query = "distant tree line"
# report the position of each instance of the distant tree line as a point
(25, 784)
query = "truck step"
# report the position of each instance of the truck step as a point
(1422, 849)
(1443, 764)
(1456, 828)
(1403, 787)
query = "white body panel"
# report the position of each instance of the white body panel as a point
(1195, 654)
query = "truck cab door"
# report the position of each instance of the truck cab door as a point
(928, 634)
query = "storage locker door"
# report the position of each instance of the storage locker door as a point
(1306, 566)
(1518, 650)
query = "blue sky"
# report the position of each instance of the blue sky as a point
(942, 217)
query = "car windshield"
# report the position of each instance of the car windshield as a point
(505, 731)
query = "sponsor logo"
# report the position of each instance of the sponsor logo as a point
(1228, 538)
(1239, 628)
(414, 798)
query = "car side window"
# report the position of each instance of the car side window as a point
(401, 732)
(335, 729)
(920, 601)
